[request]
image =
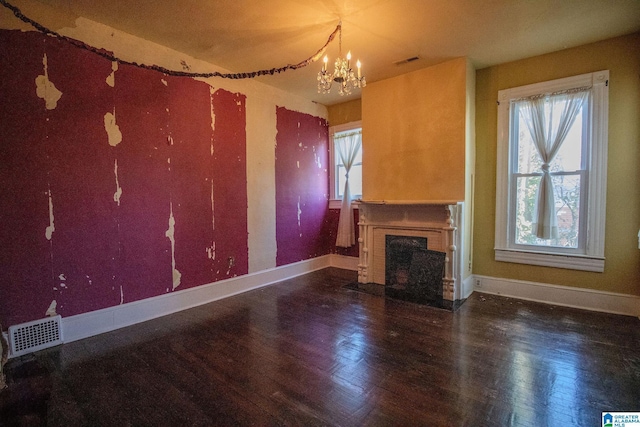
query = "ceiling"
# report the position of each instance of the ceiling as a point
(249, 35)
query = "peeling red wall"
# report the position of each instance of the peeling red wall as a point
(25, 253)
(140, 102)
(80, 173)
(172, 165)
(302, 187)
(107, 250)
(230, 185)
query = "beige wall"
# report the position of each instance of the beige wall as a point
(414, 135)
(345, 112)
(620, 56)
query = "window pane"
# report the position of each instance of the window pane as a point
(341, 180)
(567, 196)
(528, 157)
(358, 158)
(569, 156)
(336, 151)
(526, 193)
(567, 193)
(355, 181)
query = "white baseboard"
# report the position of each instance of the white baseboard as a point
(108, 319)
(586, 299)
(467, 287)
(344, 262)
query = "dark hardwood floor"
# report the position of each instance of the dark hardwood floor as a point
(309, 352)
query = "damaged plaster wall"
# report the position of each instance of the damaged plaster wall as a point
(302, 187)
(135, 183)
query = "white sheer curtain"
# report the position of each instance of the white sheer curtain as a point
(347, 147)
(549, 120)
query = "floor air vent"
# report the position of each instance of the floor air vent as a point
(33, 336)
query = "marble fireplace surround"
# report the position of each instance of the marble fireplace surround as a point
(437, 221)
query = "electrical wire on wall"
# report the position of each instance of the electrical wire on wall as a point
(111, 57)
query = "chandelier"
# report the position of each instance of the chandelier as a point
(342, 75)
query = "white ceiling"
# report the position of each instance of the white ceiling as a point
(248, 35)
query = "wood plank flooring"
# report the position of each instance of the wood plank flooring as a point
(310, 352)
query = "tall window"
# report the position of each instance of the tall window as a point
(339, 138)
(551, 182)
(347, 177)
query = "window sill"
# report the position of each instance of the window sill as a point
(567, 261)
(337, 204)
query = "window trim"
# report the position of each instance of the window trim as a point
(592, 259)
(334, 201)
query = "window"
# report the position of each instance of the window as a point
(551, 173)
(339, 135)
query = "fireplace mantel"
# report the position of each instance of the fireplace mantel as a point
(436, 220)
(409, 202)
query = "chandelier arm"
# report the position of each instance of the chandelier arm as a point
(111, 57)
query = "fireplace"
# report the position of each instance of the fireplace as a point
(412, 271)
(412, 250)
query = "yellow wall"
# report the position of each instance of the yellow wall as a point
(346, 112)
(622, 58)
(414, 135)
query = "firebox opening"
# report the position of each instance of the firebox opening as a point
(412, 271)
